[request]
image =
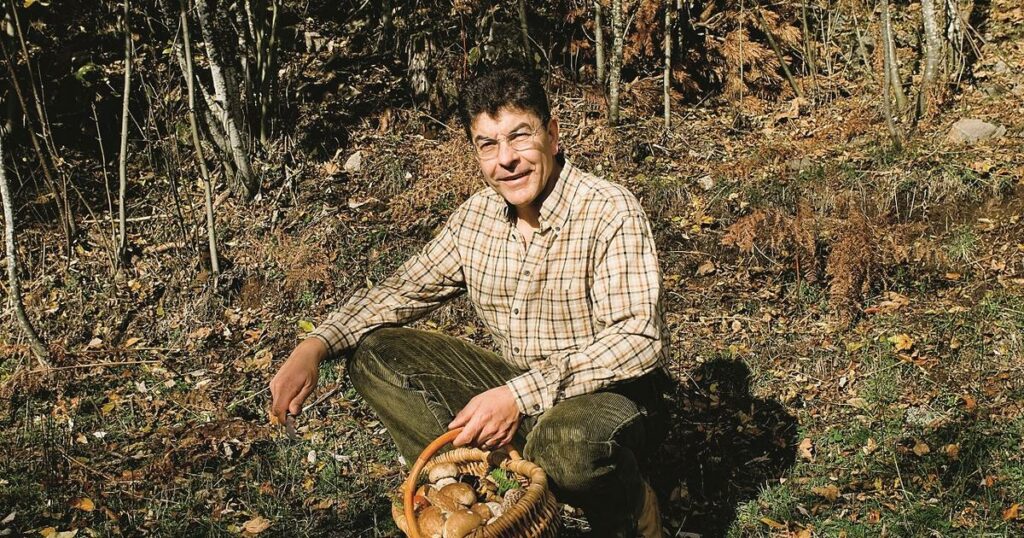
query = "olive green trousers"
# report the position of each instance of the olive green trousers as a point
(592, 446)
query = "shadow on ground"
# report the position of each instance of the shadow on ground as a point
(723, 445)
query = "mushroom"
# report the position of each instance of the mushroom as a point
(481, 510)
(443, 470)
(460, 524)
(431, 521)
(441, 500)
(496, 510)
(398, 514)
(423, 490)
(460, 493)
(444, 482)
(512, 496)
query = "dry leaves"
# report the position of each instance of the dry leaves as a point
(84, 503)
(256, 525)
(829, 492)
(806, 449)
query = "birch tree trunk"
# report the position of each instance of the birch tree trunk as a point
(932, 54)
(955, 41)
(615, 75)
(211, 229)
(667, 76)
(35, 344)
(890, 62)
(599, 40)
(226, 101)
(122, 169)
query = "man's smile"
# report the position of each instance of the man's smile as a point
(514, 177)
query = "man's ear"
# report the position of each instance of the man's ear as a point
(553, 133)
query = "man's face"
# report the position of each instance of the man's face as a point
(517, 156)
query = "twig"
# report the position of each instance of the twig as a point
(92, 365)
(319, 400)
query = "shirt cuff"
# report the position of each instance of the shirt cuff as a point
(531, 392)
(334, 337)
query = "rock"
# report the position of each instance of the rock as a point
(354, 163)
(972, 130)
(706, 183)
(799, 164)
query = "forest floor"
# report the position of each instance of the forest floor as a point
(789, 419)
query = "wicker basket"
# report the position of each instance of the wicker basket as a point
(536, 515)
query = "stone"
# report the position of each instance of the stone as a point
(972, 130)
(799, 164)
(354, 163)
(706, 182)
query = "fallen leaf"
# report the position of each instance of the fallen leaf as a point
(921, 448)
(256, 525)
(969, 402)
(772, 523)
(1012, 513)
(805, 449)
(131, 342)
(706, 268)
(830, 492)
(870, 446)
(84, 503)
(902, 342)
(953, 451)
(806, 533)
(305, 326)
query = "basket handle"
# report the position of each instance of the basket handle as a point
(425, 456)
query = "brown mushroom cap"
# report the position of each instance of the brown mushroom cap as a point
(460, 524)
(442, 500)
(481, 510)
(460, 493)
(443, 470)
(431, 521)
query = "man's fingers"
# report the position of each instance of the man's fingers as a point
(295, 407)
(469, 433)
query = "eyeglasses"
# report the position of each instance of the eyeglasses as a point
(520, 140)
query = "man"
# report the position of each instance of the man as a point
(561, 268)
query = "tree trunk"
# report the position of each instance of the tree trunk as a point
(67, 222)
(932, 53)
(891, 63)
(778, 52)
(226, 103)
(35, 344)
(667, 76)
(211, 229)
(955, 41)
(616, 69)
(887, 85)
(122, 170)
(808, 46)
(599, 40)
(524, 29)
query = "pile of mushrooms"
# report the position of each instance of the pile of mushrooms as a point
(454, 505)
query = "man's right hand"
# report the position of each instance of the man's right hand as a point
(296, 379)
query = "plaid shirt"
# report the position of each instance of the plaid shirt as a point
(578, 310)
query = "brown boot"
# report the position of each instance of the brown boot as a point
(648, 525)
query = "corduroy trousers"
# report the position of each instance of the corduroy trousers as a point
(591, 446)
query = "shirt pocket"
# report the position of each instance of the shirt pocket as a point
(565, 320)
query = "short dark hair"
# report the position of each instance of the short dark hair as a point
(511, 87)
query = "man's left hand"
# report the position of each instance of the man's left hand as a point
(489, 420)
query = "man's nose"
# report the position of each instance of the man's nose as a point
(507, 156)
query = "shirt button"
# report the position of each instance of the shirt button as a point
(526, 272)
(536, 407)
(515, 350)
(515, 311)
